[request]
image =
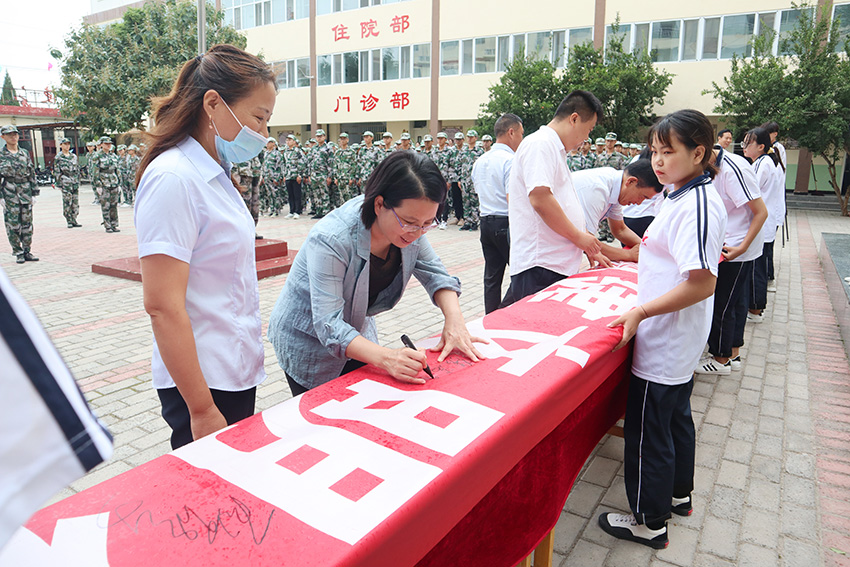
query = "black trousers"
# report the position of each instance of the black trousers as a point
(234, 406)
(293, 192)
(758, 282)
(660, 447)
(457, 200)
(529, 282)
(638, 225)
(768, 252)
(297, 389)
(496, 245)
(730, 307)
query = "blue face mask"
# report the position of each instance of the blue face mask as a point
(246, 145)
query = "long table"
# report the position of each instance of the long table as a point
(472, 468)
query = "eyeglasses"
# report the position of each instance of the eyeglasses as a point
(411, 228)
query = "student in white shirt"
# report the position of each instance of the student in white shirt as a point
(677, 271)
(738, 187)
(779, 201)
(490, 175)
(757, 147)
(639, 217)
(546, 219)
(196, 242)
(604, 191)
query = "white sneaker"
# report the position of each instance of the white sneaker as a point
(296, 216)
(442, 225)
(710, 366)
(736, 363)
(755, 318)
(771, 285)
(624, 526)
(289, 216)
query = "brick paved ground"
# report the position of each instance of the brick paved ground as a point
(773, 457)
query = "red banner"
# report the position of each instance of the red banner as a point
(363, 471)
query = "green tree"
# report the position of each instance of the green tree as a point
(809, 94)
(8, 97)
(627, 84)
(110, 74)
(528, 88)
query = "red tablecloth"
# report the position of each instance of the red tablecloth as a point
(366, 471)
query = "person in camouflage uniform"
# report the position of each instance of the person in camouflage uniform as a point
(468, 155)
(405, 142)
(133, 161)
(294, 164)
(370, 156)
(94, 174)
(319, 175)
(91, 147)
(487, 142)
(256, 174)
(18, 186)
(109, 188)
(244, 173)
(66, 172)
(439, 155)
(124, 176)
(345, 169)
(454, 199)
(271, 178)
(428, 146)
(610, 157)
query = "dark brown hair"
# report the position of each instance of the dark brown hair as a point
(692, 129)
(403, 175)
(226, 69)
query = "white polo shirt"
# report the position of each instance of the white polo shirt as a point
(686, 235)
(737, 185)
(541, 161)
(598, 190)
(187, 208)
(490, 176)
(768, 175)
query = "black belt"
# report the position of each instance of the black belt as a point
(495, 217)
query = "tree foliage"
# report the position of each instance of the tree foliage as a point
(627, 84)
(807, 91)
(110, 74)
(8, 97)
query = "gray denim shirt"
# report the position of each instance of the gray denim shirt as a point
(324, 303)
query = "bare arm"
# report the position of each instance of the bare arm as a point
(164, 286)
(699, 286)
(545, 205)
(759, 210)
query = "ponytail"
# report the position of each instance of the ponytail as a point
(762, 137)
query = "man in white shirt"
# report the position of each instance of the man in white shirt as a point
(604, 191)
(490, 176)
(546, 218)
(724, 138)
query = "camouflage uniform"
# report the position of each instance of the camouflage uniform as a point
(614, 159)
(294, 165)
(132, 167)
(110, 191)
(466, 159)
(452, 155)
(17, 181)
(94, 174)
(126, 177)
(66, 171)
(250, 194)
(320, 167)
(272, 172)
(345, 173)
(368, 161)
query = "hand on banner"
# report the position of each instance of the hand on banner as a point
(629, 321)
(206, 422)
(405, 365)
(456, 336)
(599, 261)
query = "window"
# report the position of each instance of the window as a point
(390, 56)
(842, 14)
(279, 69)
(519, 46)
(710, 38)
(350, 4)
(279, 11)
(324, 7)
(325, 65)
(485, 54)
(539, 45)
(504, 52)
(737, 33)
(641, 38)
(290, 74)
(351, 67)
(303, 68)
(559, 45)
(765, 24)
(364, 66)
(422, 60)
(689, 40)
(449, 58)
(376, 64)
(787, 22)
(290, 10)
(337, 68)
(624, 31)
(466, 66)
(405, 62)
(302, 9)
(665, 41)
(580, 36)
(248, 20)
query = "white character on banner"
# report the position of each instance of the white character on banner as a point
(76, 542)
(597, 297)
(456, 421)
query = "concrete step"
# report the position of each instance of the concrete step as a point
(267, 248)
(820, 201)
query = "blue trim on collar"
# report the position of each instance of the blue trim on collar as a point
(719, 157)
(696, 181)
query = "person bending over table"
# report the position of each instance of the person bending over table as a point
(355, 264)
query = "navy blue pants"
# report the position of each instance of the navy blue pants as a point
(528, 282)
(496, 246)
(660, 448)
(234, 406)
(730, 307)
(762, 268)
(638, 225)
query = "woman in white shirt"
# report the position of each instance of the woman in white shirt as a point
(196, 242)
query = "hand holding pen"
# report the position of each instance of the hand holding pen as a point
(409, 344)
